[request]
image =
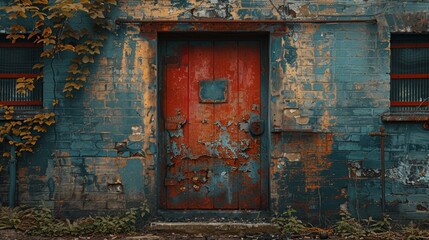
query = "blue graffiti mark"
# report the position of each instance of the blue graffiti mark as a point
(180, 3)
(291, 55)
(212, 148)
(152, 148)
(176, 133)
(224, 142)
(227, 144)
(243, 126)
(175, 149)
(219, 182)
(50, 175)
(135, 148)
(244, 145)
(51, 187)
(82, 176)
(251, 168)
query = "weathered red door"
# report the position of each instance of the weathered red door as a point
(213, 126)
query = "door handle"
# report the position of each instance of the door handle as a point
(256, 127)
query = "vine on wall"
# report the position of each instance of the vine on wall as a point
(56, 25)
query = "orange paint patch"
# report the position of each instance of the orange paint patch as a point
(314, 149)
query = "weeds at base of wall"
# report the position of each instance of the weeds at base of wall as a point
(40, 222)
(348, 228)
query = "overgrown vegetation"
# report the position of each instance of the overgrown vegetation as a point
(23, 134)
(57, 26)
(288, 223)
(349, 228)
(40, 222)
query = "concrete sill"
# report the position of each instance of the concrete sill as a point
(21, 114)
(405, 117)
(214, 228)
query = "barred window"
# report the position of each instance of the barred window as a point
(409, 72)
(16, 61)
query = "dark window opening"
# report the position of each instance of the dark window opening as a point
(17, 61)
(409, 72)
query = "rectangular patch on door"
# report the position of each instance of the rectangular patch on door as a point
(213, 91)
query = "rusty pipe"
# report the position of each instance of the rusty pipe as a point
(382, 135)
(120, 21)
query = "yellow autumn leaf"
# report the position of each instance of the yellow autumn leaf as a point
(85, 59)
(81, 78)
(85, 71)
(74, 69)
(67, 89)
(15, 37)
(32, 34)
(16, 123)
(18, 28)
(30, 86)
(15, 132)
(47, 53)
(44, 2)
(50, 122)
(39, 129)
(20, 86)
(39, 23)
(27, 120)
(38, 65)
(47, 32)
(27, 149)
(68, 47)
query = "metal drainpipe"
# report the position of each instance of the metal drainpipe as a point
(12, 173)
(382, 135)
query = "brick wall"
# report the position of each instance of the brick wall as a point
(329, 86)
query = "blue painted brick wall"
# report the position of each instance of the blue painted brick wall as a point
(329, 86)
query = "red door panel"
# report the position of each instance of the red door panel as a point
(249, 108)
(212, 95)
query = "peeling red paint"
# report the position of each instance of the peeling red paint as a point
(213, 158)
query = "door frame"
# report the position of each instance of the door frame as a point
(263, 38)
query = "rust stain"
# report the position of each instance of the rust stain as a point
(119, 163)
(318, 161)
(304, 11)
(125, 54)
(315, 149)
(326, 121)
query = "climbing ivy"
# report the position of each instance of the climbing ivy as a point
(23, 134)
(53, 24)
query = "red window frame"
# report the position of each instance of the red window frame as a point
(409, 76)
(20, 75)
